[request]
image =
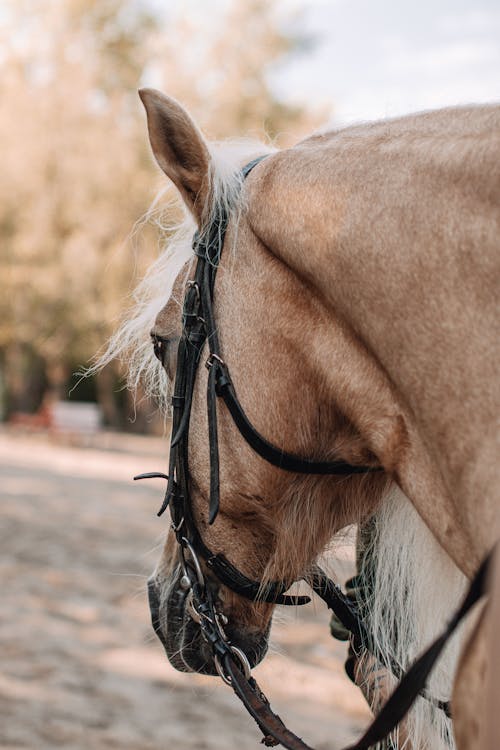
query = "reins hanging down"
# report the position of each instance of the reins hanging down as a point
(199, 329)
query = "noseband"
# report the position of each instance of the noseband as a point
(198, 330)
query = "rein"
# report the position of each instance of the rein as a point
(199, 329)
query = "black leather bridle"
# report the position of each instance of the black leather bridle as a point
(199, 330)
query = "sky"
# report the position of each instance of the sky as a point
(381, 58)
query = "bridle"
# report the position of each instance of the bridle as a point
(198, 330)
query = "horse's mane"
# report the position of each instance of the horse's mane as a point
(131, 343)
(414, 589)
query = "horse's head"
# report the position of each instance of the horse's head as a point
(282, 343)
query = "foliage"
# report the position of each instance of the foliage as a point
(76, 169)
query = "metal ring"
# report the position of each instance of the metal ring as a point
(179, 525)
(192, 284)
(186, 544)
(243, 660)
(214, 358)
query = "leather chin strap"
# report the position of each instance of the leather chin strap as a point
(199, 328)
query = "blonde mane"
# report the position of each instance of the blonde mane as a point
(131, 343)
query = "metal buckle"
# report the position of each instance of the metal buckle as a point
(178, 527)
(192, 284)
(212, 358)
(243, 660)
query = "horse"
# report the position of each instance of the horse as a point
(355, 301)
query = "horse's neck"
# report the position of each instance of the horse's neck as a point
(396, 225)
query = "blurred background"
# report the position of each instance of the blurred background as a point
(77, 174)
(80, 667)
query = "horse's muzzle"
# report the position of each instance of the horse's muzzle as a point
(181, 636)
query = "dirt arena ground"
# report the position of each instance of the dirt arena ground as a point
(80, 667)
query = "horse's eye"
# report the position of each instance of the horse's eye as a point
(165, 349)
(158, 348)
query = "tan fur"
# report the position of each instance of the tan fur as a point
(400, 236)
(404, 247)
(469, 690)
(358, 320)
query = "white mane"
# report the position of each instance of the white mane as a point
(131, 342)
(415, 588)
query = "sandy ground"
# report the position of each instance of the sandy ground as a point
(80, 666)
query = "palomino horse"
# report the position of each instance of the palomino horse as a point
(355, 304)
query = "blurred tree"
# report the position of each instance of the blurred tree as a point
(74, 145)
(226, 58)
(76, 167)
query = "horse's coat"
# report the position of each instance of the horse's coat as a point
(358, 315)
(397, 225)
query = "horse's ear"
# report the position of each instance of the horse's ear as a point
(178, 147)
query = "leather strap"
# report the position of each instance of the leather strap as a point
(274, 730)
(349, 616)
(213, 444)
(269, 452)
(273, 592)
